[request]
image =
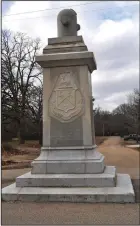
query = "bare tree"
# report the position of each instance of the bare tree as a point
(133, 113)
(129, 113)
(19, 73)
(35, 107)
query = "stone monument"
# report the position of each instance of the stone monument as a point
(69, 167)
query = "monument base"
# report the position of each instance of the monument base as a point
(68, 161)
(122, 193)
(105, 179)
(71, 176)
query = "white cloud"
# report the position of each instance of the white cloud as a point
(112, 101)
(110, 30)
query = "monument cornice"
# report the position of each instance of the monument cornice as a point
(67, 59)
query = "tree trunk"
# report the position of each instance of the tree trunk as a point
(103, 130)
(21, 131)
(40, 132)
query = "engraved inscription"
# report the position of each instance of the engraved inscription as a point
(66, 101)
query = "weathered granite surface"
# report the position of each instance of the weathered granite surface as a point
(122, 193)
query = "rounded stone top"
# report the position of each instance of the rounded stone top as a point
(67, 23)
(68, 12)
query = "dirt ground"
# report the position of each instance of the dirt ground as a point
(125, 159)
(21, 160)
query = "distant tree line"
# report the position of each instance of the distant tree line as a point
(123, 120)
(21, 95)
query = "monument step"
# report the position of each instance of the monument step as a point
(106, 179)
(122, 193)
(68, 166)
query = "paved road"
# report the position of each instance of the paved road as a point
(78, 213)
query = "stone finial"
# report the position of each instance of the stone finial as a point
(67, 23)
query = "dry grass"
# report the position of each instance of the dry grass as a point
(28, 143)
(19, 156)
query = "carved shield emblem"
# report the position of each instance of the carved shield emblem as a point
(66, 101)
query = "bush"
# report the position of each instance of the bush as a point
(15, 139)
(34, 136)
(7, 147)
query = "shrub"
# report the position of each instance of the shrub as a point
(7, 147)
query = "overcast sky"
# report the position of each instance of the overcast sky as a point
(110, 29)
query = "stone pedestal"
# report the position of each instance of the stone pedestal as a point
(69, 167)
(68, 133)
